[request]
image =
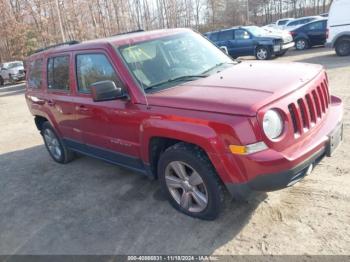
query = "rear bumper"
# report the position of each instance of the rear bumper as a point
(282, 48)
(270, 170)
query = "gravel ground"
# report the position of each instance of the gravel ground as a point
(90, 207)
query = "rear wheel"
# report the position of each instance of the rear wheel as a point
(1, 81)
(262, 53)
(57, 150)
(301, 44)
(190, 182)
(342, 47)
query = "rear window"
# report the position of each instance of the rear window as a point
(58, 73)
(226, 35)
(35, 73)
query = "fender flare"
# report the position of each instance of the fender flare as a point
(197, 133)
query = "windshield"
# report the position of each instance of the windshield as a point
(256, 31)
(13, 65)
(165, 61)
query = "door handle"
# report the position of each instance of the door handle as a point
(82, 108)
(50, 102)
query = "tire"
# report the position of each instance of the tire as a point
(342, 47)
(54, 145)
(11, 80)
(196, 191)
(301, 44)
(262, 53)
(2, 82)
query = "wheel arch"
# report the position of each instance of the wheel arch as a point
(158, 135)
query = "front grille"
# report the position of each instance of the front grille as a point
(310, 109)
(20, 71)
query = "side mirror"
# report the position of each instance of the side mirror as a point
(224, 49)
(105, 91)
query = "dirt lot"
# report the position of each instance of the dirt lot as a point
(90, 207)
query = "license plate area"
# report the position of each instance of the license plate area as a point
(334, 139)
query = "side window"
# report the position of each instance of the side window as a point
(58, 73)
(214, 37)
(226, 35)
(241, 34)
(35, 73)
(315, 26)
(92, 68)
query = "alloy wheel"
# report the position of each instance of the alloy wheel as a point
(186, 186)
(261, 53)
(301, 44)
(52, 144)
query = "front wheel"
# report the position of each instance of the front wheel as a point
(342, 47)
(57, 150)
(190, 182)
(301, 44)
(1, 81)
(262, 53)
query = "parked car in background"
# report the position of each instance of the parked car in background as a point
(310, 34)
(12, 72)
(324, 15)
(339, 27)
(300, 21)
(282, 22)
(251, 41)
(171, 106)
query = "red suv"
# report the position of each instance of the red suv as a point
(172, 106)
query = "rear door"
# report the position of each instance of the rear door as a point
(59, 97)
(316, 32)
(225, 38)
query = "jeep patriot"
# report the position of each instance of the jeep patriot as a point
(172, 106)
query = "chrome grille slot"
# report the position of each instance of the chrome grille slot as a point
(308, 110)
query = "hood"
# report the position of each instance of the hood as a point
(279, 34)
(241, 89)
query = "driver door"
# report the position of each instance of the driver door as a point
(110, 129)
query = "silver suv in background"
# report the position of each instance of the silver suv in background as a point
(12, 72)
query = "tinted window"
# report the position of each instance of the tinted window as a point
(283, 22)
(316, 26)
(214, 37)
(226, 35)
(294, 23)
(92, 68)
(58, 73)
(35, 73)
(241, 35)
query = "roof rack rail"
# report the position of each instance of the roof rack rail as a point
(72, 42)
(130, 32)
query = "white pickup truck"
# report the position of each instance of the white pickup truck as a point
(12, 72)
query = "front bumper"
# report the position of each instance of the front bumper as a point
(18, 77)
(270, 170)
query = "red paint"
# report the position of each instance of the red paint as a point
(214, 112)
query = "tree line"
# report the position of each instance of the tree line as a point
(26, 25)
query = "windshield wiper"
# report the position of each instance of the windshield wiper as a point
(217, 65)
(175, 79)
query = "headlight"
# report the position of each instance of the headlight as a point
(272, 124)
